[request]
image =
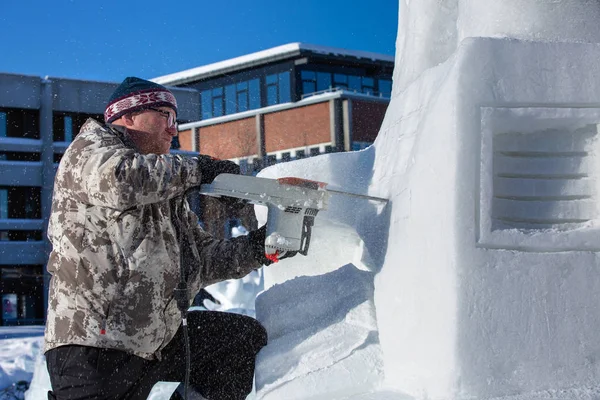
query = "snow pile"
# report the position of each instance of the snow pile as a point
(18, 349)
(335, 312)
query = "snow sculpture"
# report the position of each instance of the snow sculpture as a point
(319, 310)
(429, 31)
(487, 284)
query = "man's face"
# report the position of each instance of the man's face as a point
(150, 130)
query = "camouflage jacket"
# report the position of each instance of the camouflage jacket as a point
(116, 258)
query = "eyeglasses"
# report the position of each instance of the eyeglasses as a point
(170, 116)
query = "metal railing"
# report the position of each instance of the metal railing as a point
(334, 89)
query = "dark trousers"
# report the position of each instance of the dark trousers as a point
(223, 349)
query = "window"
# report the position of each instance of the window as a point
(230, 100)
(309, 82)
(254, 93)
(385, 87)
(272, 90)
(242, 96)
(19, 156)
(242, 101)
(323, 81)
(285, 95)
(3, 212)
(236, 98)
(9, 307)
(22, 291)
(21, 123)
(368, 85)
(2, 124)
(20, 203)
(271, 159)
(3, 203)
(340, 80)
(206, 104)
(217, 102)
(62, 127)
(2, 134)
(24, 236)
(354, 83)
(24, 202)
(212, 103)
(278, 88)
(313, 81)
(257, 165)
(68, 129)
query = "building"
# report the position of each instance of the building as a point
(285, 103)
(38, 119)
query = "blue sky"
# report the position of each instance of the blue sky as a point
(110, 39)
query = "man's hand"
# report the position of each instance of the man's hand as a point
(211, 167)
(257, 240)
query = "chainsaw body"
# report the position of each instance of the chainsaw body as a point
(292, 203)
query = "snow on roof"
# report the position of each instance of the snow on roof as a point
(261, 57)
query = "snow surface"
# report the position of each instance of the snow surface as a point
(485, 260)
(479, 279)
(19, 347)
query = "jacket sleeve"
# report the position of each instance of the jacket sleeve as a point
(220, 259)
(107, 173)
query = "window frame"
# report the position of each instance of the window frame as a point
(280, 84)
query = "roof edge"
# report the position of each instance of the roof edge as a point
(262, 57)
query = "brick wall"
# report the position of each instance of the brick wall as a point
(230, 139)
(185, 140)
(297, 127)
(366, 120)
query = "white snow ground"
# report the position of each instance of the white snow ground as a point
(479, 278)
(19, 347)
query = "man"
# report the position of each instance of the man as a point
(118, 216)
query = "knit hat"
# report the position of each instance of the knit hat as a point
(135, 94)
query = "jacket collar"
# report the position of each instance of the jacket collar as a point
(122, 133)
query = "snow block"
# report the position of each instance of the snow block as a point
(490, 284)
(323, 341)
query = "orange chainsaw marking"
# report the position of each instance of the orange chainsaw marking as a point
(292, 181)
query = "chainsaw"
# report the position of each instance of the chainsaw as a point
(292, 203)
